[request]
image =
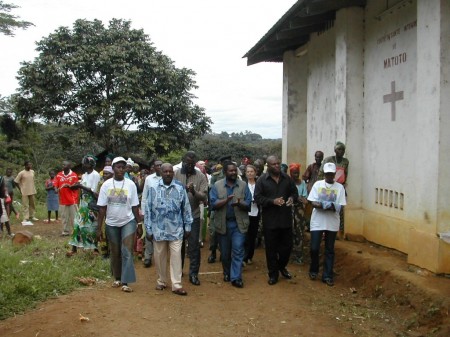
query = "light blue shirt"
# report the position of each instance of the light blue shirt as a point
(167, 213)
(302, 190)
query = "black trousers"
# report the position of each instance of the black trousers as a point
(193, 249)
(250, 241)
(278, 249)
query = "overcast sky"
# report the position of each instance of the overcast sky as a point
(209, 37)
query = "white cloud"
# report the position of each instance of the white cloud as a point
(209, 37)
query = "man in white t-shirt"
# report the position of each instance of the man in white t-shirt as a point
(327, 198)
(119, 203)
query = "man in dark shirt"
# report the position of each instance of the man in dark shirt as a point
(310, 176)
(275, 193)
(196, 185)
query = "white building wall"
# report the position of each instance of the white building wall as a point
(389, 153)
(294, 142)
(321, 94)
(401, 184)
(349, 78)
(443, 216)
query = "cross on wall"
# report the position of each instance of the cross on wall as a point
(393, 97)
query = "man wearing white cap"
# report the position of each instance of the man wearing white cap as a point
(327, 198)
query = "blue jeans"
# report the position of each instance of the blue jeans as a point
(232, 251)
(328, 263)
(121, 243)
(193, 250)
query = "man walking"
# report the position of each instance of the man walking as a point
(68, 196)
(275, 192)
(167, 219)
(25, 182)
(150, 180)
(213, 240)
(196, 186)
(341, 176)
(328, 199)
(230, 200)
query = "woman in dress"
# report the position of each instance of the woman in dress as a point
(85, 224)
(298, 216)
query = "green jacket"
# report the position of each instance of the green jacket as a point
(219, 220)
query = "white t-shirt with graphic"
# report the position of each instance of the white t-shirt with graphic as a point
(324, 219)
(119, 197)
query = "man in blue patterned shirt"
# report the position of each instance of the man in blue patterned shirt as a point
(167, 219)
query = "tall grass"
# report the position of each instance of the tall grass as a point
(39, 271)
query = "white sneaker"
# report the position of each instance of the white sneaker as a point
(27, 223)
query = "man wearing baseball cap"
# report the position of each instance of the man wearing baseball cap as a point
(327, 198)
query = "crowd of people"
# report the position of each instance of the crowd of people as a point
(161, 214)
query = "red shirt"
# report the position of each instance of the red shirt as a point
(66, 195)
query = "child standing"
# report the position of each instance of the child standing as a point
(52, 197)
(4, 205)
(9, 184)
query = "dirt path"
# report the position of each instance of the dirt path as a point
(388, 298)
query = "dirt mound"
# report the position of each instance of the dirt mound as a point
(417, 297)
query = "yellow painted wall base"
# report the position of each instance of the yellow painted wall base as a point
(424, 249)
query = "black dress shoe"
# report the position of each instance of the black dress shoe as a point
(272, 281)
(211, 258)
(194, 280)
(285, 273)
(226, 278)
(237, 284)
(328, 281)
(147, 263)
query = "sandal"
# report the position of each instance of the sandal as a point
(70, 254)
(160, 287)
(127, 289)
(180, 291)
(116, 284)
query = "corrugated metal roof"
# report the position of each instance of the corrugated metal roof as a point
(295, 26)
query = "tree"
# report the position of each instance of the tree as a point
(238, 145)
(113, 84)
(9, 22)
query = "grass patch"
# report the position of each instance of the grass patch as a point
(36, 272)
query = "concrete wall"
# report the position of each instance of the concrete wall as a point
(378, 80)
(349, 78)
(322, 130)
(294, 141)
(433, 99)
(389, 164)
(443, 210)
